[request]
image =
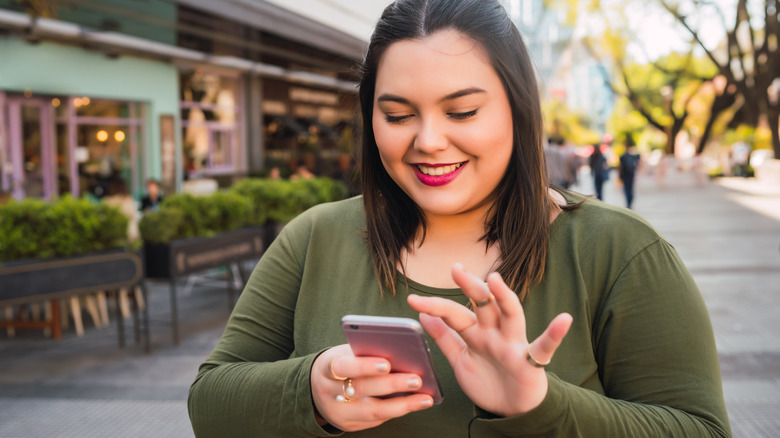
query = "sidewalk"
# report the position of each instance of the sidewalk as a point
(728, 233)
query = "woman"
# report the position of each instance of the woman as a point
(455, 193)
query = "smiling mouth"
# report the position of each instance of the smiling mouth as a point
(438, 170)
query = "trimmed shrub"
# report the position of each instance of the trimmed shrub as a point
(252, 201)
(37, 229)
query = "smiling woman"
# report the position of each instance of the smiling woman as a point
(552, 314)
(446, 143)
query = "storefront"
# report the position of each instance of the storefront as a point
(69, 129)
(56, 144)
(306, 126)
(218, 92)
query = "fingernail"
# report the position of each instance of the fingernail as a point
(383, 367)
(413, 383)
(427, 403)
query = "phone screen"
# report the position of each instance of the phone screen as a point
(399, 340)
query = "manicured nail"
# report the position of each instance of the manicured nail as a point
(427, 403)
(413, 383)
(383, 367)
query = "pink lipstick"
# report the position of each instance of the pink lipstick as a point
(437, 180)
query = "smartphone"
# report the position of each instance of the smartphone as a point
(399, 340)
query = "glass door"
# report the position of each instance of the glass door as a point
(29, 157)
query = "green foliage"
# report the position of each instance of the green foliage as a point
(227, 211)
(194, 213)
(282, 200)
(252, 201)
(161, 226)
(37, 229)
(562, 121)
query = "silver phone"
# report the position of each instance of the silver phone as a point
(399, 340)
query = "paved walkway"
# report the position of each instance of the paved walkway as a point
(728, 233)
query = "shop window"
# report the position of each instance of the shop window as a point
(210, 112)
(58, 144)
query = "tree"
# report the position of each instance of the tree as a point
(661, 90)
(748, 59)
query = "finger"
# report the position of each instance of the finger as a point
(349, 366)
(477, 290)
(448, 340)
(379, 386)
(371, 412)
(458, 317)
(511, 315)
(543, 348)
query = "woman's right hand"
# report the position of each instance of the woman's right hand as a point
(345, 390)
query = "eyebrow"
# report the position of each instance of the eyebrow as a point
(460, 93)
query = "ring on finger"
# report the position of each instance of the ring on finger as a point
(489, 300)
(330, 370)
(533, 360)
(348, 392)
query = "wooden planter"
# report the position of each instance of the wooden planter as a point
(169, 261)
(34, 281)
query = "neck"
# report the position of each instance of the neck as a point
(468, 226)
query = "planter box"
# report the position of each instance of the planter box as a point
(188, 256)
(53, 279)
(184, 257)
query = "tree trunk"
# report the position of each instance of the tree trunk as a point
(774, 125)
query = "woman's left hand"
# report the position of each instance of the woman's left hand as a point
(488, 347)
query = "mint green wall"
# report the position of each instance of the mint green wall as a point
(149, 19)
(48, 68)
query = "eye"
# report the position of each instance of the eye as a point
(396, 119)
(462, 116)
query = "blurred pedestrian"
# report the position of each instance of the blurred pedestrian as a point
(629, 164)
(599, 169)
(153, 197)
(555, 162)
(302, 173)
(740, 158)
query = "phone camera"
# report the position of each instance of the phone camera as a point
(354, 327)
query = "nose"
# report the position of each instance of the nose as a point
(431, 136)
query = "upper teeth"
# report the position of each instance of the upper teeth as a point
(440, 170)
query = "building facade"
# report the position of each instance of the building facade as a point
(96, 96)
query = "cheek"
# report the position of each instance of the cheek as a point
(390, 143)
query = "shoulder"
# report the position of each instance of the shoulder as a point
(329, 220)
(597, 223)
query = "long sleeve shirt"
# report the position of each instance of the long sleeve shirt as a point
(638, 361)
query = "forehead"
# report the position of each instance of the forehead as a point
(444, 58)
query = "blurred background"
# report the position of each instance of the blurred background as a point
(254, 102)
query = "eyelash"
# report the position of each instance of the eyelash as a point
(463, 116)
(396, 119)
(456, 116)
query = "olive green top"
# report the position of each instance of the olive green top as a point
(639, 360)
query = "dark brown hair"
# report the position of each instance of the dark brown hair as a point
(519, 218)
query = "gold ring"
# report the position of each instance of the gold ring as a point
(330, 370)
(348, 392)
(489, 300)
(533, 361)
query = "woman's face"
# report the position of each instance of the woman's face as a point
(442, 122)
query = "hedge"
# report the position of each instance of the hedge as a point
(67, 226)
(252, 201)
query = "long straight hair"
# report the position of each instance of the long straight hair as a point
(519, 218)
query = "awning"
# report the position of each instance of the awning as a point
(57, 30)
